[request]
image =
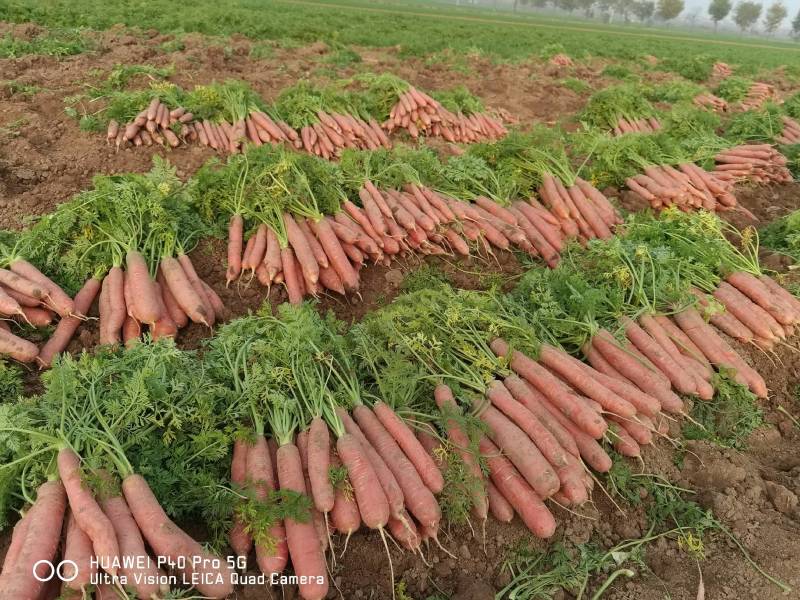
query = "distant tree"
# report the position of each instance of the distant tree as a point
(587, 7)
(746, 14)
(719, 9)
(669, 9)
(568, 5)
(796, 27)
(776, 13)
(644, 9)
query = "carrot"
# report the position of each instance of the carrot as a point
(549, 254)
(319, 465)
(10, 306)
(171, 306)
(167, 540)
(304, 545)
(371, 499)
(523, 453)
(333, 249)
(567, 368)
(458, 437)
(624, 443)
(718, 351)
(239, 538)
(38, 317)
(67, 326)
(755, 289)
(780, 292)
(387, 479)
(131, 331)
(21, 299)
(145, 306)
(258, 249)
(637, 430)
(550, 195)
(16, 347)
(58, 299)
(320, 521)
(405, 532)
(15, 545)
(587, 210)
(42, 535)
(23, 285)
(552, 388)
(78, 555)
(516, 490)
(498, 505)
(114, 283)
(372, 211)
(271, 558)
(679, 377)
(87, 511)
(301, 249)
(183, 291)
(418, 498)
(362, 221)
(136, 566)
(198, 287)
(235, 239)
(684, 342)
(402, 434)
(345, 516)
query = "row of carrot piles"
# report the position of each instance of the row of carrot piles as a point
(158, 124)
(130, 300)
(721, 70)
(756, 163)
(708, 100)
(757, 95)
(790, 133)
(29, 297)
(335, 132)
(103, 543)
(688, 187)
(419, 114)
(643, 125)
(579, 209)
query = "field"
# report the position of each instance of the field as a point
(709, 508)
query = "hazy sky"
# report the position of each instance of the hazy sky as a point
(791, 5)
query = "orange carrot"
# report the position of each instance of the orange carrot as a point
(235, 238)
(755, 289)
(145, 305)
(16, 347)
(344, 516)
(183, 291)
(239, 538)
(67, 326)
(319, 465)
(56, 297)
(302, 540)
(197, 286)
(371, 499)
(175, 312)
(261, 474)
(320, 521)
(38, 317)
(302, 250)
(336, 254)
(78, 554)
(498, 505)
(22, 285)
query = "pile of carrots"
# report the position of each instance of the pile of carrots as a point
(161, 125)
(643, 125)
(561, 60)
(110, 532)
(328, 253)
(757, 163)
(708, 100)
(29, 296)
(721, 70)
(333, 133)
(688, 187)
(419, 114)
(131, 299)
(757, 95)
(790, 133)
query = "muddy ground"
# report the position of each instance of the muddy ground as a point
(45, 158)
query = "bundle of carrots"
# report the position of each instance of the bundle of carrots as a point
(561, 60)
(643, 125)
(334, 132)
(30, 297)
(131, 299)
(580, 210)
(721, 70)
(758, 163)
(688, 187)
(159, 124)
(419, 114)
(104, 541)
(757, 95)
(708, 100)
(791, 131)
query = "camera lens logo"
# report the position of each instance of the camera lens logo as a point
(55, 570)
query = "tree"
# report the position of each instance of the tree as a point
(796, 27)
(586, 6)
(719, 9)
(776, 13)
(746, 14)
(644, 10)
(669, 9)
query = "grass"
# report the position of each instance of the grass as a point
(576, 85)
(417, 29)
(23, 89)
(56, 42)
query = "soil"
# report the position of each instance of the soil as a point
(45, 158)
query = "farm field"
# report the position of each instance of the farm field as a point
(703, 505)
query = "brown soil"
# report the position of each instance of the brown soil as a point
(44, 159)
